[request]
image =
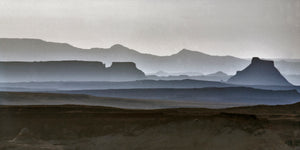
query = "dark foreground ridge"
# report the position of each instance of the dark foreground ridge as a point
(93, 127)
(259, 72)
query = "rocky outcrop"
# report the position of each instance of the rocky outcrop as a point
(259, 72)
(124, 71)
(68, 71)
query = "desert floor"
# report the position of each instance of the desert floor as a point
(57, 127)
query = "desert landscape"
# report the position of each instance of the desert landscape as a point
(149, 75)
(84, 105)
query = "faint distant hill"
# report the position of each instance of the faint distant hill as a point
(183, 61)
(165, 74)
(161, 74)
(219, 73)
(259, 72)
(218, 76)
(294, 79)
(68, 71)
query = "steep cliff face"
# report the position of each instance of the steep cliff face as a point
(259, 72)
(124, 71)
(67, 71)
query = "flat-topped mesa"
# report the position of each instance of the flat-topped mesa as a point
(68, 71)
(259, 72)
(124, 71)
(258, 61)
(123, 65)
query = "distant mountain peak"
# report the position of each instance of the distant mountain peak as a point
(118, 46)
(219, 73)
(122, 50)
(259, 72)
(185, 50)
(190, 52)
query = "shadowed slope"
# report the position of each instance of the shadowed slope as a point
(259, 72)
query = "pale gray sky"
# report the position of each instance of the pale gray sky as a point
(243, 28)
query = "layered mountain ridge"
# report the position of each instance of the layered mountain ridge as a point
(183, 61)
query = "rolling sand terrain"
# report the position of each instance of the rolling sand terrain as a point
(78, 127)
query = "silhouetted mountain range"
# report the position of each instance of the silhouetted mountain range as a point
(259, 72)
(183, 61)
(68, 71)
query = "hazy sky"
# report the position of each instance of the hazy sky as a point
(243, 28)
